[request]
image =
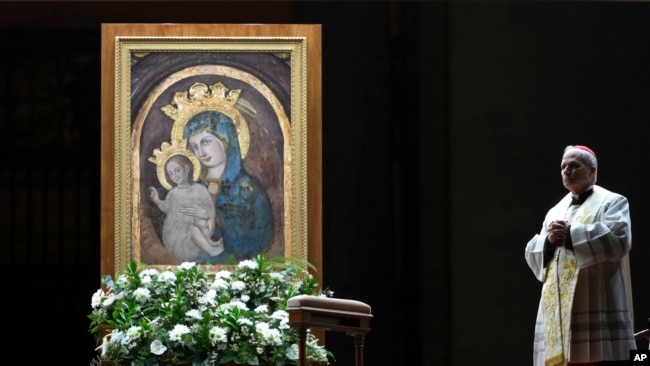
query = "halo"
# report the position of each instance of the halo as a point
(166, 151)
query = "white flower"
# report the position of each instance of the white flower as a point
(261, 326)
(245, 298)
(116, 336)
(208, 298)
(238, 304)
(218, 334)
(177, 333)
(187, 265)
(145, 280)
(157, 347)
(122, 281)
(225, 274)
(150, 272)
(112, 298)
(247, 264)
(141, 294)
(219, 284)
(96, 299)
(131, 335)
(238, 285)
(262, 309)
(283, 318)
(134, 331)
(244, 321)
(280, 315)
(167, 277)
(270, 336)
(194, 314)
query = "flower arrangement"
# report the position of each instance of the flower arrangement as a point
(149, 317)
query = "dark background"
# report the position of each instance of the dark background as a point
(443, 130)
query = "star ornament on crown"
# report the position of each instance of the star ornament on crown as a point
(198, 98)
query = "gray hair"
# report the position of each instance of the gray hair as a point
(585, 157)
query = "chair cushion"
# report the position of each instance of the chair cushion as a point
(328, 303)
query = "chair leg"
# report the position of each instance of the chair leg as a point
(302, 336)
(358, 349)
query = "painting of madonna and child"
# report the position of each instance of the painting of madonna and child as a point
(212, 159)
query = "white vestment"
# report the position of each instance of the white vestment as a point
(600, 324)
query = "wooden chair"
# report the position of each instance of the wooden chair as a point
(330, 314)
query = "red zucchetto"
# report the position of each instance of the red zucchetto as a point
(584, 148)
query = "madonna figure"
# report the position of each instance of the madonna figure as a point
(244, 218)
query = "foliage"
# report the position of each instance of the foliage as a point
(146, 316)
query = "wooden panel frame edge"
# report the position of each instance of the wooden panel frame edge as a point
(314, 119)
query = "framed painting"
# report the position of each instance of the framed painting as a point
(211, 144)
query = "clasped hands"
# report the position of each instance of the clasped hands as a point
(557, 231)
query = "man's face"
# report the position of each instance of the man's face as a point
(576, 175)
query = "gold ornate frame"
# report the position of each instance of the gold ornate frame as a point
(199, 67)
